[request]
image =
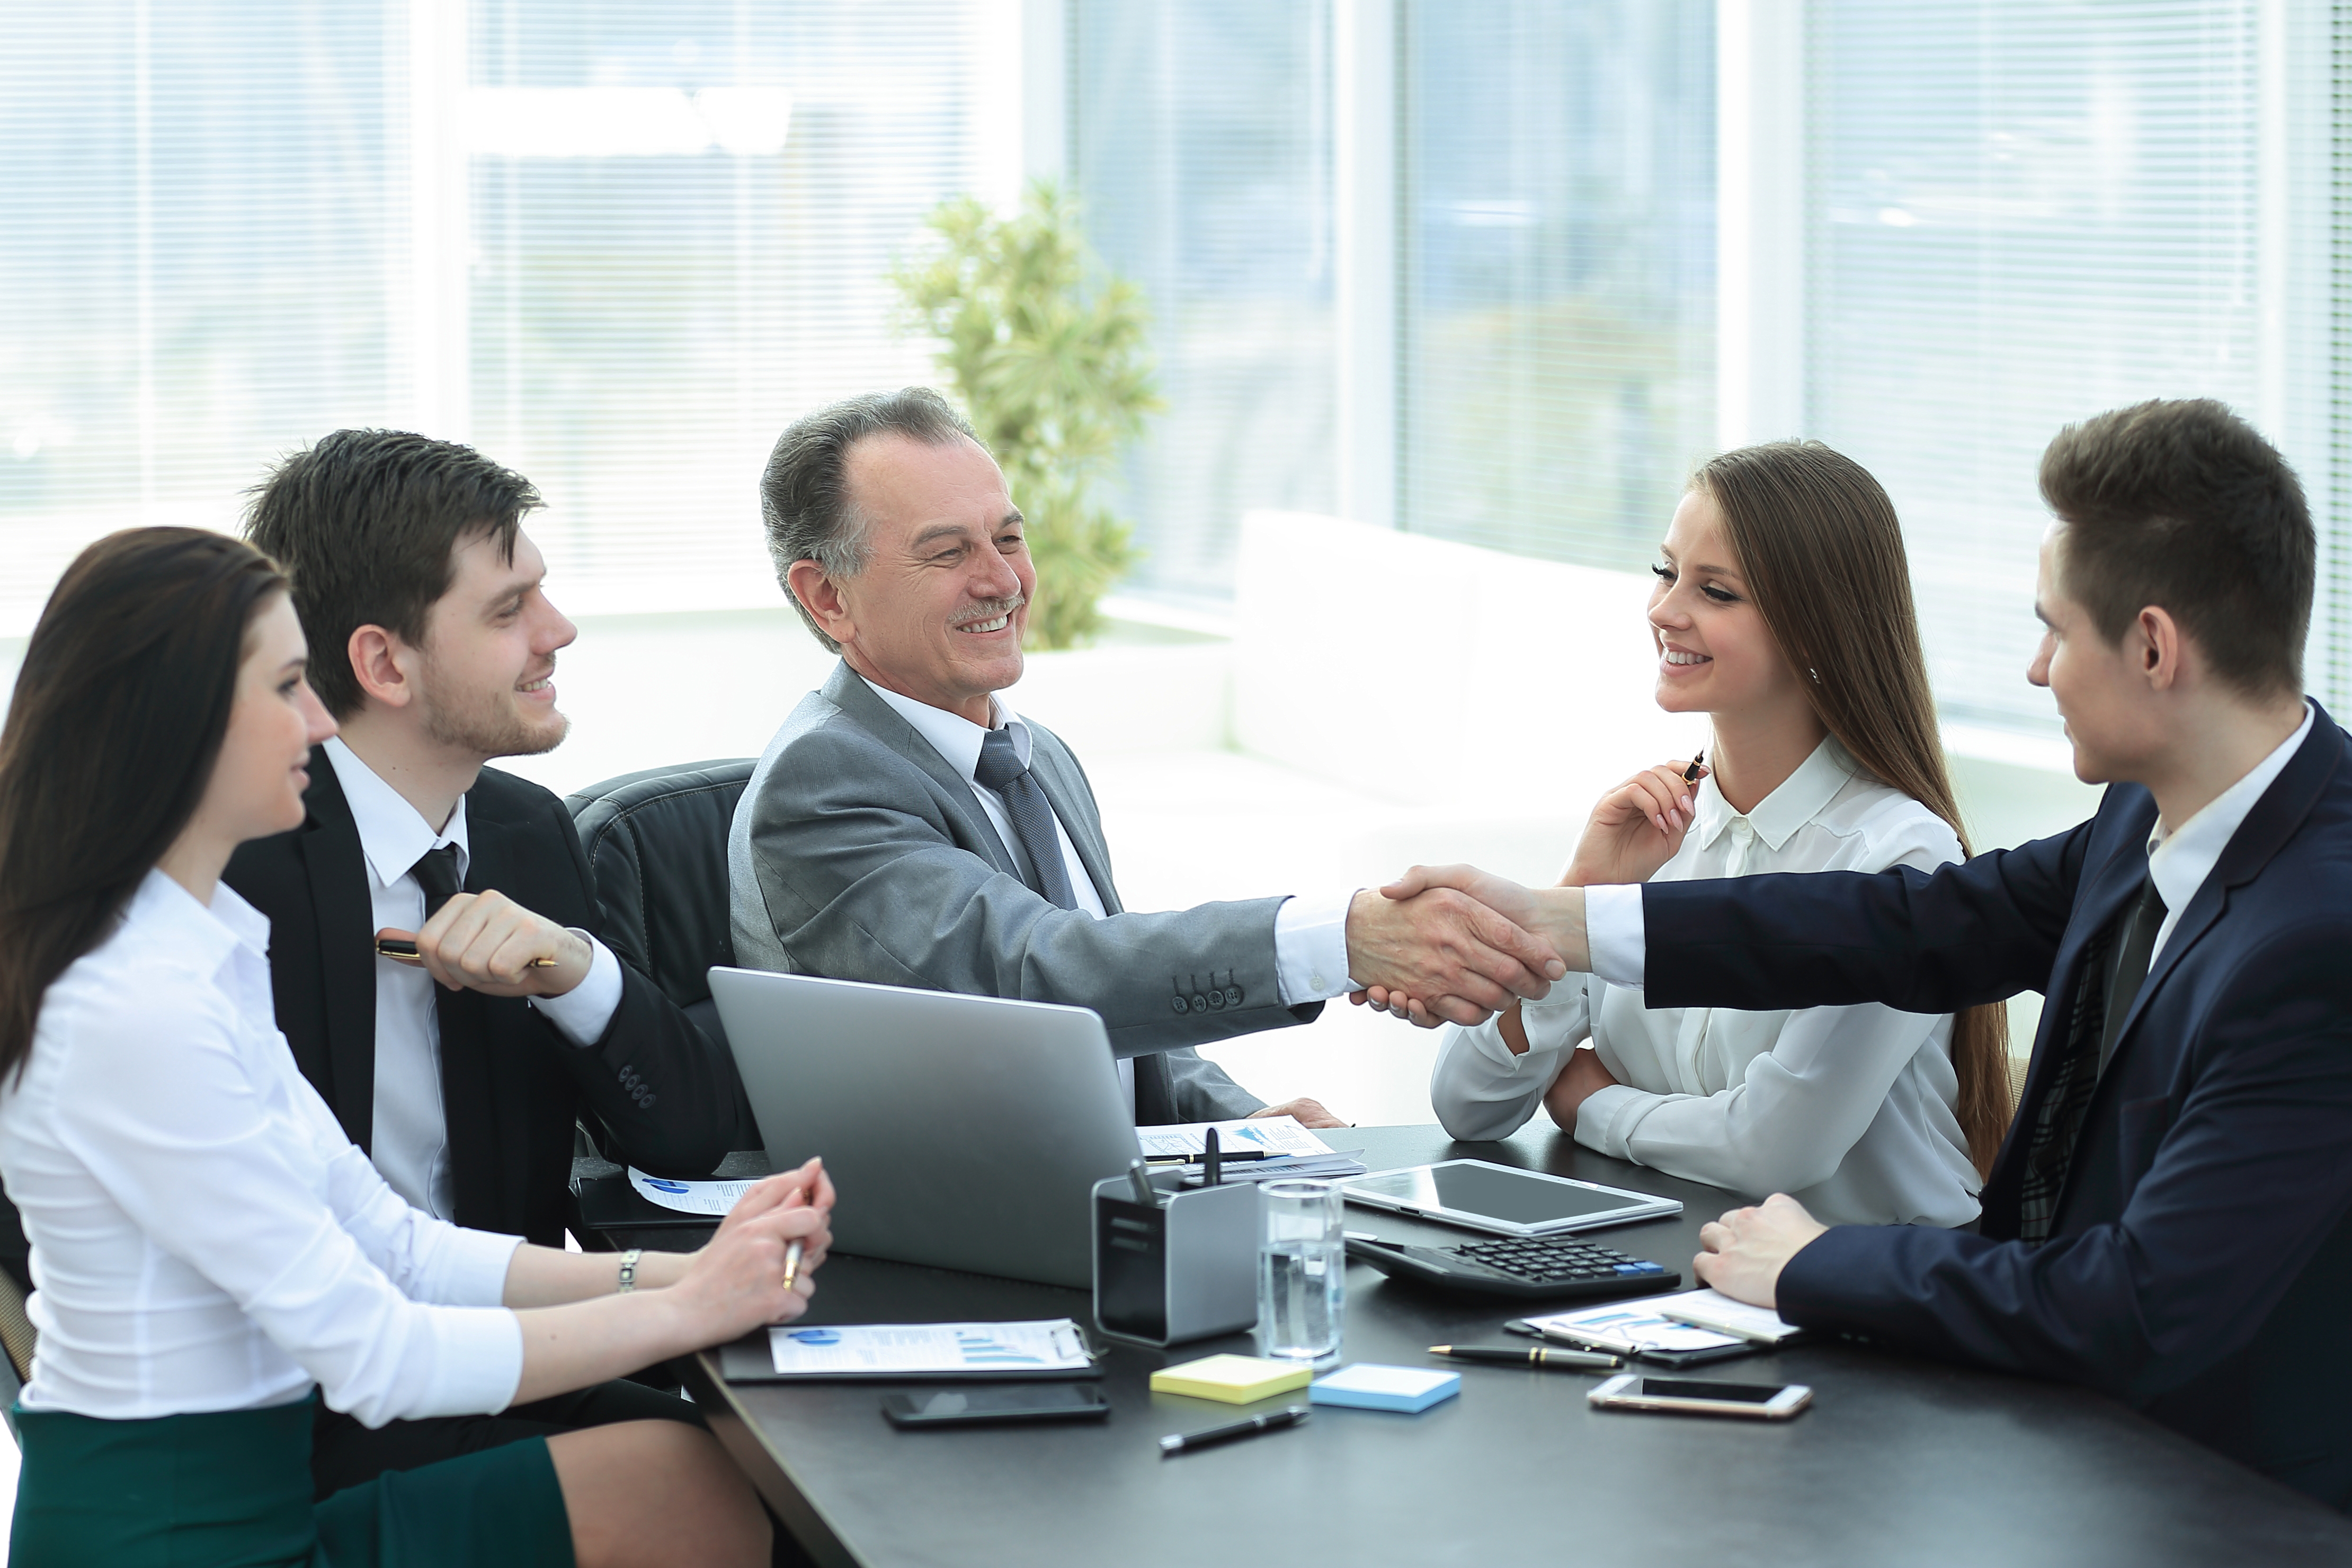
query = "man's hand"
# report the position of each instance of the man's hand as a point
(1636, 828)
(1580, 1081)
(1448, 946)
(1552, 918)
(1746, 1249)
(487, 942)
(1309, 1112)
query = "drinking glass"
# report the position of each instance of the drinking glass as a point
(1302, 1270)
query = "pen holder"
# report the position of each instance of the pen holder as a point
(1183, 1270)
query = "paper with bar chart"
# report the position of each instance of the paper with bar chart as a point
(921, 1350)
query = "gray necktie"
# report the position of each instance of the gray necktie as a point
(1002, 769)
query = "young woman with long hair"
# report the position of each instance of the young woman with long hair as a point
(1783, 610)
(211, 1254)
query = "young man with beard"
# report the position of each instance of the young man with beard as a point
(462, 1073)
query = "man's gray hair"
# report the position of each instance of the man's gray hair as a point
(804, 493)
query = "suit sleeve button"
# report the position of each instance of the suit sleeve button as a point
(1200, 1003)
(1178, 1003)
(1233, 995)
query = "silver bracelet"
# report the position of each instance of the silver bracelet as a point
(629, 1269)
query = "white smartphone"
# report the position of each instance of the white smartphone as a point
(1698, 1396)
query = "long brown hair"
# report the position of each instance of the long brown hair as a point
(118, 718)
(1822, 552)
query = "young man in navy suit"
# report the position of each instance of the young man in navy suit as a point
(2168, 1219)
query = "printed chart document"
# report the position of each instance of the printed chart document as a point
(704, 1197)
(1713, 1309)
(1629, 1327)
(1292, 1150)
(925, 1350)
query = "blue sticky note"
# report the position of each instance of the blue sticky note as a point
(1366, 1386)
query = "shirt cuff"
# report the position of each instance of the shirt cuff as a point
(1614, 934)
(1310, 948)
(585, 1012)
(472, 1267)
(1599, 1118)
(479, 1366)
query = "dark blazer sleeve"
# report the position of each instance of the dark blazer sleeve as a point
(1981, 931)
(664, 1091)
(2252, 1174)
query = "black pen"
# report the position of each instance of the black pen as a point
(1506, 1355)
(1225, 1155)
(1183, 1442)
(1211, 1172)
(1690, 773)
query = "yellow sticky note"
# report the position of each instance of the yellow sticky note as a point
(1234, 1379)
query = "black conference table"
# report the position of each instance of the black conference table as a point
(1898, 1461)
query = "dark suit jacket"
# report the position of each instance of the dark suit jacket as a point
(512, 1085)
(2200, 1263)
(859, 853)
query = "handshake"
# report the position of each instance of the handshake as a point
(1452, 944)
(1455, 944)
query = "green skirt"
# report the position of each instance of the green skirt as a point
(232, 1489)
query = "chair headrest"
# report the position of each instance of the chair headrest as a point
(657, 843)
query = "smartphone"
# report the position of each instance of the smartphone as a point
(997, 1402)
(1634, 1391)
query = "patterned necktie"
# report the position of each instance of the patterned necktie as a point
(1002, 769)
(2110, 985)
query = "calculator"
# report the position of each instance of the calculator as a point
(1524, 1268)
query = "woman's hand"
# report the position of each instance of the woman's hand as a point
(1580, 1081)
(1636, 828)
(736, 1283)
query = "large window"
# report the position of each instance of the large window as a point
(1200, 140)
(2019, 216)
(1557, 217)
(202, 215)
(617, 247)
(683, 220)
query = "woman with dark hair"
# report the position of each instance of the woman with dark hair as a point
(1783, 611)
(211, 1253)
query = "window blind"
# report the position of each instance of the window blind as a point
(198, 207)
(682, 221)
(1199, 142)
(2019, 215)
(1557, 288)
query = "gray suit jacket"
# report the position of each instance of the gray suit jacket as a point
(859, 853)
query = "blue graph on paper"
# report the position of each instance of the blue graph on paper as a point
(987, 1349)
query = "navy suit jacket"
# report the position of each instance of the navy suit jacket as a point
(2200, 1265)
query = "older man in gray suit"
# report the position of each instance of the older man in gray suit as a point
(907, 828)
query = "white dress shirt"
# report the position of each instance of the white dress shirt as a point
(1310, 935)
(2179, 861)
(409, 1137)
(205, 1237)
(1851, 1109)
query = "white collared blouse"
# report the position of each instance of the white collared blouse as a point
(205, 1237)
(1849, 1110)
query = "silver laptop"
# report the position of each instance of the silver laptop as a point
(962, 1132)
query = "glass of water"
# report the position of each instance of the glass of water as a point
(1302, 1270)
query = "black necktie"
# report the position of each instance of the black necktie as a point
(437, 873)
(2101, 1002)
(1002, 769)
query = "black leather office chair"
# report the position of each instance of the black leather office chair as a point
(657, 842)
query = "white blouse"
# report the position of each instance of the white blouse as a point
(1849, 1110)
(205, 1237)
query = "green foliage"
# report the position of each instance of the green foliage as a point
(1056, 376)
